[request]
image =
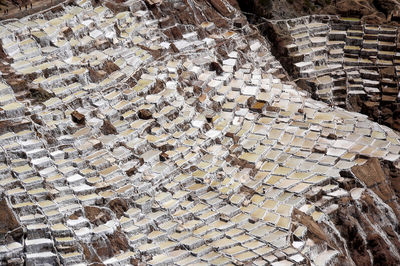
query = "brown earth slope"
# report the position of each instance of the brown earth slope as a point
(364, 226)
(10, 229)
(371, 11)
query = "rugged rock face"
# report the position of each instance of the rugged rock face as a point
(363, 225)
(371, 11)
(374, 178)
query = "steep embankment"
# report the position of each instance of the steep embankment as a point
(363, 224)
(372, 11)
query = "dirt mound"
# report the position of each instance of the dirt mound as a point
(110, 245)
(118, 206)
(145, 114)
(108, 129)
(40, 94)
(110, 67)
(90, 255)
(97, 75)
(97, 215)
(119, 243)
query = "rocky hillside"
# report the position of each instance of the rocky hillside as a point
(291, 47)
(165, 132)
(372, 11)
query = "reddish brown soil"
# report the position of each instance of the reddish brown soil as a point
(221, 8)
(118, 242)
(108, 129)
(372, 174)
(97, 75)
(102, 247)
(366, 225)
(371, 11)
(90, 256)
(110, 67)
(8, 224)
(114, 244)
(78, 117)
(97, 215)
(118, 206)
